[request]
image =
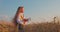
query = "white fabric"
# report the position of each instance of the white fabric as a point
(19, 19)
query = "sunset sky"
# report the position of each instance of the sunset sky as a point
(36, 9)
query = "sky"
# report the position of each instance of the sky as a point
(35, 9)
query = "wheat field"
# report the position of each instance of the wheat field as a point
(40, 27)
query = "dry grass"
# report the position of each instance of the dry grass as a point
(6, 27)
(41, 27)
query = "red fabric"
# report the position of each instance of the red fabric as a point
(25, 20)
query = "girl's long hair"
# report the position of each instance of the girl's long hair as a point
(16, 15)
